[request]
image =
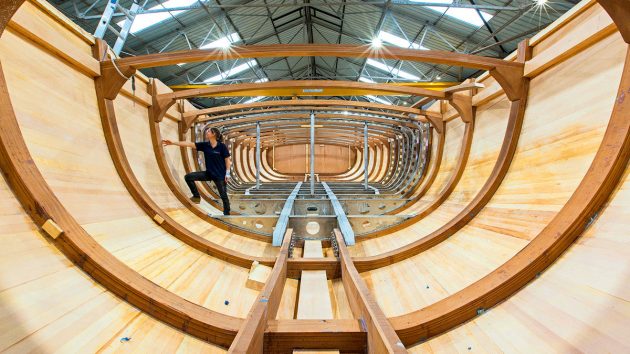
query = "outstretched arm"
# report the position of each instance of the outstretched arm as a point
(186, 144)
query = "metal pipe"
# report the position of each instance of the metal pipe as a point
(257, 155)
(312, 153)
(365, 153)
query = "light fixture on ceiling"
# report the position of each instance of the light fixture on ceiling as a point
(540, 2)
(438, 77)
(377, 42)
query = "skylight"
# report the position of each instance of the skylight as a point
(223, 42)
(365, 79)
(378, 99)
(394, 71)
(463, 14)
(143, 21)
(398, 41)
(235, 70)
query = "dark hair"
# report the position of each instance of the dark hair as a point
(217, 134)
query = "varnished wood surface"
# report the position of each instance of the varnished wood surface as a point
(50, 305)
(613, 166)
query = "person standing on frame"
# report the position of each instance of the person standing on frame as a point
(217, 158)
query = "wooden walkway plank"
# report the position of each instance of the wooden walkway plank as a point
(380, 334)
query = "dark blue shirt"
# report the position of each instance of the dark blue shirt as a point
(215, 158)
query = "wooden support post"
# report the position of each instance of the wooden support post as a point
(381, 335)
(250, 336)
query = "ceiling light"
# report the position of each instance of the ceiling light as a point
(143, 21)
(231, 72)
(377, 42)
(398, 41)
(378, 99)
(394, 71)
(541, 2)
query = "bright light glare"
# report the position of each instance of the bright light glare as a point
(377, 42)
(541, 2)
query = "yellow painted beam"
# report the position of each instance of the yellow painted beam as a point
(288, 92)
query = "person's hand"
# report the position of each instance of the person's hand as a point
(227, 178)
(167, 142)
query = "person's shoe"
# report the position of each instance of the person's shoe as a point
(195, 200)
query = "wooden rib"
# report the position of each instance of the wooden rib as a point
(341, 110)
(508, 148)
(594, 190)
(170, 181)
(381, 336)
(322, 50)
(282, 336)
(294, 103)
(430, 179)
(41, 204)
(250, 337)
(619, 11)
(162, 102)
(484, 195)
(506, 72)
(7, 9)
(119, 158)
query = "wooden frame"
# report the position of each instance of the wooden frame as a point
(41, 204)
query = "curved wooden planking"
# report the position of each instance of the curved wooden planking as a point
(517, 110)
(492, 184)
(54, 307)
(114, 143)
(593, 191)
(170, 180)
(41, 204)
(577, 304)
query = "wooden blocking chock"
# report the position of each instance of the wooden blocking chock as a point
(312, 249)
(258, 275)
(52, 229)
(158, 219)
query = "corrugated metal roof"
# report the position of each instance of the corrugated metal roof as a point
(331, 21)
